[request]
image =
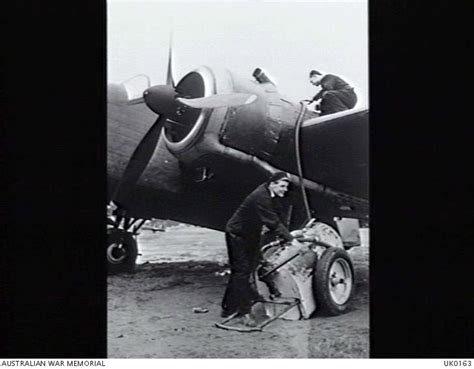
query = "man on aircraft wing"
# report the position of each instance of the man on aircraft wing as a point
(335, 95)
(243, 230)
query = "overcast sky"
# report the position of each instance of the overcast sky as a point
(287, 39)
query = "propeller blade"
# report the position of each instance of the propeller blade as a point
(139, 160)
(169, 73)
(219, 101)
(138, 100)
(119, 94)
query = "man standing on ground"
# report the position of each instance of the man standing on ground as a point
(335, 95)
(243, 230)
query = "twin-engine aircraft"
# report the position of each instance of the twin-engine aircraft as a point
(191, 151)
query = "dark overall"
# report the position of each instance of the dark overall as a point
(243, 245)
(336, 95)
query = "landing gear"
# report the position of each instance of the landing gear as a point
(333, 281)
(121, 249)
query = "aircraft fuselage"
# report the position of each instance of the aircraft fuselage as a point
(219, 142)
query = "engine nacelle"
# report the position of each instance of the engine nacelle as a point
(256, 129)
(262, 134)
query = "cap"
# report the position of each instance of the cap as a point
(278, 176)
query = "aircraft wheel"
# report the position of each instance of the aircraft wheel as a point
(333, 281)
(121, 252)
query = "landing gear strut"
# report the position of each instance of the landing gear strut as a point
(121, 248)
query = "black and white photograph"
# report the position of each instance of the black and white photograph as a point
(203, 180)
(237, 180)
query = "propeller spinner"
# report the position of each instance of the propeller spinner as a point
(179, 107)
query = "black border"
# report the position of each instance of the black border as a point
(53, 235)
(53, 157)
(421, 300)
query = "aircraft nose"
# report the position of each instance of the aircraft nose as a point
(160, 99)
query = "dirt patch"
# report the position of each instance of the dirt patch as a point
(150, 315)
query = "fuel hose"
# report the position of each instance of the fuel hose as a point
(298, 159)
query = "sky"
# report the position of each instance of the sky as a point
(286, 39)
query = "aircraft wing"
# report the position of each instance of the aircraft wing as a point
(207, 192)
(335, 151)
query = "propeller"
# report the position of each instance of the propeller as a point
(219, 101)
(169, 73)
(139, 160)
(117, 93)
(138, 100)
(165, 101)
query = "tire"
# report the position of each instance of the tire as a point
(333, 281)
(121, 252)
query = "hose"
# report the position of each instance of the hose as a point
(298, 159)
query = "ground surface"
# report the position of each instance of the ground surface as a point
(150, 312)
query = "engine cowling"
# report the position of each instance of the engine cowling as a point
(256, 129)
